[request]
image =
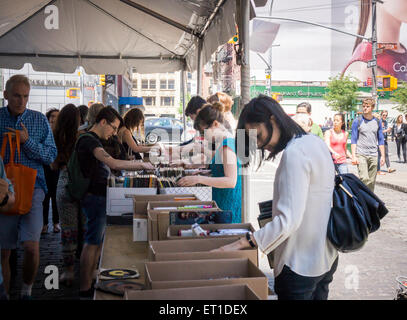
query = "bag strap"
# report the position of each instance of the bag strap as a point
(18, 144)
(3, 146)
(8, 136)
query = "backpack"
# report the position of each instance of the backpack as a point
(78, 184)
(356, 212)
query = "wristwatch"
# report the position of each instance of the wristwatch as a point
(5, 200)
(249, 239)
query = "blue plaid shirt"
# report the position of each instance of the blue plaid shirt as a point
(40, 147)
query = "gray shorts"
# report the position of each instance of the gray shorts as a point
(27, 227)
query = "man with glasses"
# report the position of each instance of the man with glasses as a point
(367, 134)
(95, 164)
(386, 130)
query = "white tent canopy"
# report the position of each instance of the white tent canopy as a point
(110, 36)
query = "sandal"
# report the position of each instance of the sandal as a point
(44, 230)
(57, 229)
(381, 173)
(391, 170)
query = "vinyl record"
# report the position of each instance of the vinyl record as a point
(119, 274)
(118, 287)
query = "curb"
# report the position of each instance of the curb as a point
(392, 186)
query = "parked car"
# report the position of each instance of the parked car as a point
(163, 129)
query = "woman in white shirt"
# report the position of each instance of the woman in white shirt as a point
(304, 259)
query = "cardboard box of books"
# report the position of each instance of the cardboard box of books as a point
(158, 214)
(197, 249)
(195, 273)
(176, 232)
(140, 218)
(140, 202)
(224, 292)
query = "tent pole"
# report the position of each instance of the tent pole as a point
(199, 68)
(243, 25)
(183, 98)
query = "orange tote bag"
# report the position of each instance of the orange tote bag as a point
(22, 177)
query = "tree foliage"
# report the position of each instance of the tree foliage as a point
(342, 94)
(400, 96)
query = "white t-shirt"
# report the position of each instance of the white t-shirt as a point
(302, 200)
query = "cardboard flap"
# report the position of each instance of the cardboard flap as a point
(197, 269)
(224, 292)
(189, 245)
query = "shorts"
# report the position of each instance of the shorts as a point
(94, 209)
(27, 227)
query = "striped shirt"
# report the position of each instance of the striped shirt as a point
(40, 147)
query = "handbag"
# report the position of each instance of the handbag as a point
(22, 177)
(356, 212)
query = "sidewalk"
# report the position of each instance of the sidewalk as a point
(396, 180)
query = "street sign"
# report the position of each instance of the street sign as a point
(371, 63)
(268, 76)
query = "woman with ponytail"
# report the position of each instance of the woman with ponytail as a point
(226, 180)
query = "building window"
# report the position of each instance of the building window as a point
(144, 84)
(152, 84)
(135, 81)
(171, 84)
(149, 101)
(167, 101)
(163, 84)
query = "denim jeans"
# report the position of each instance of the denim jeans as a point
(94, 208)
(292, 286)
(343, 168)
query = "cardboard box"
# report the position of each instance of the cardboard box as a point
(119, 201)
(226, 292)
(159, 220)
(197, 249)
(140, 202)
(202, 193)
(172, 233)
(139, 229)
(196, 273)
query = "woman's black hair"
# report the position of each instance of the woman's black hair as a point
(343, 119)
(259, 110)
(194, 104)
(50, 112)
(83, 109)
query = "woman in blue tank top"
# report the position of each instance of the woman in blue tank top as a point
(226, 180)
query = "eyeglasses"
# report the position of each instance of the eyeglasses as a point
(113, 127)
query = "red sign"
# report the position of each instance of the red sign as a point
(387, 45)
(369, 81)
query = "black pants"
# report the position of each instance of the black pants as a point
(401, 143)
(292, 286)
(51, 178)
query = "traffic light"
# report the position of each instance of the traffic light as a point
(102, 80)
(72, 93)
(277, 96)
